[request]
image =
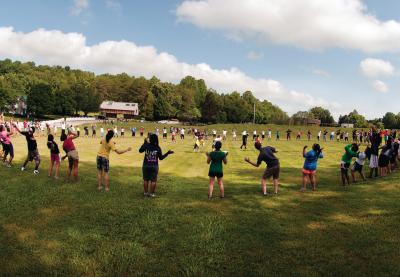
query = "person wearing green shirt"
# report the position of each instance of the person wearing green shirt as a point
(351, 151)
(215, 159)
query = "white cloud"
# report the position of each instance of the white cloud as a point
(54, 47)
(255, 55)
(310, 24)
(79, 6)
(375, 68)
(321, 72)
(380, 86)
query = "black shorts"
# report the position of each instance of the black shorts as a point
(8, 150)
(383, 161)
(150, 173)
(357, 167)
(215, 174)
(103, 164)
(164, 135)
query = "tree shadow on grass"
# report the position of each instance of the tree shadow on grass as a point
(53, 227)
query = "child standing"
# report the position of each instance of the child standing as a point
(350, 152)
(310, 165)
(359, 164)
(215, 159)
(103, 164)
(153, 153)
(54, 154)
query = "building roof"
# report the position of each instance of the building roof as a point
(111, 105)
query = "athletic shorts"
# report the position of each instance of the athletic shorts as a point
(8, 149)
(150, 173)
(272, 172)
(357, 167)
(164, 135)
(55, 158)
(309, 172)
(33, 155)
(215, 174)
(373, 161)
(103, 164)
(73, 155)
(344, 166)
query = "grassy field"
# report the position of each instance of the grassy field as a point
(50, 227)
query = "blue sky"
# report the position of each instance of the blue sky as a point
(326, 72)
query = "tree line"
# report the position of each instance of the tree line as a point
(64, 91)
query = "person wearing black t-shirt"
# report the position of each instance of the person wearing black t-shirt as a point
(267, 154)
(33, 152)
(153, 153)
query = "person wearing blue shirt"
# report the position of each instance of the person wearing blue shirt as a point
(310, 165)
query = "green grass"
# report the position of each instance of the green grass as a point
(52, 227)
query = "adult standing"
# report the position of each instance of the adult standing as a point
(267, 154)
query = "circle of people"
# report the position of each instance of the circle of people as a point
(382, 152)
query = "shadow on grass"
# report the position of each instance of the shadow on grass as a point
(56, 228)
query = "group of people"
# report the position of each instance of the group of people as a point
(382, 158)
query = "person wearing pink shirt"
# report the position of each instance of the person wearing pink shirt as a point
(7, 145)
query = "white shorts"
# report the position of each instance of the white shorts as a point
(373, 162)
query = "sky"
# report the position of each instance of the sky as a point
(338, 54)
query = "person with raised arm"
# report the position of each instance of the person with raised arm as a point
(33, 152)
(152, 153)
(103, 159)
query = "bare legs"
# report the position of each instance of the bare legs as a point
(313, 181)
(102, 177)
(152, 184)
(211, 187)
(57, 167)
(275, 183)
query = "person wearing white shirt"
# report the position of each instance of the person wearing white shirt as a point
(182, 133)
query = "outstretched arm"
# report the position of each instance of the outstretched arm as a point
(16, 128)
(250, 162)
(123, 151)
(162, 157)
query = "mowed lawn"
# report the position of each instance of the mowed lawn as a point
(50, 227)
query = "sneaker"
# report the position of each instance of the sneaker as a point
(36, 172)
(9, 165)
(22, 168)
(152, 195)
(145, 194)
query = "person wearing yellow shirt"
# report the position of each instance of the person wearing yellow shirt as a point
(103, 164)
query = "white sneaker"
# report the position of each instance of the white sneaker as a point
(152, 195)
(22, 168)
(36, 172)
(146, 194)
(8, 165)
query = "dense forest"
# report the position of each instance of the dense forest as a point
(65, 91)
(61, 90)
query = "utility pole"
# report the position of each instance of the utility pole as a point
(254, 113)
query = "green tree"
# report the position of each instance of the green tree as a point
(40, 99)
(322, 114)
